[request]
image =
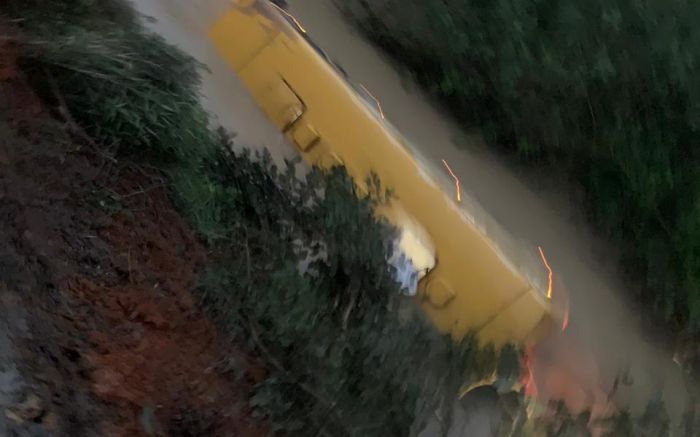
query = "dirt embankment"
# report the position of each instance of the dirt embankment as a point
(96, 275)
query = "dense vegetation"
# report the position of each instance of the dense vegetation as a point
(603, 91)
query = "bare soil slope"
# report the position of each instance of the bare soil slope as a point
(101, 332)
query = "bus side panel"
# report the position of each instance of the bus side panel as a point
(240, 35)
(479, 282)
(477, 291)
(522, 321)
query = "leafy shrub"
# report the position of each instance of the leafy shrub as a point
(604, 91)
(345, 354)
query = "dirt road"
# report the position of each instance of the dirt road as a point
(604, 335)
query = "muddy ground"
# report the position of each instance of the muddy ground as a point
(605, 336)
(99, 330)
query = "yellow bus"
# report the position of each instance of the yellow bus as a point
(457, 263)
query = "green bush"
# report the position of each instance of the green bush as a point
(345, 354)
(604, 91)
